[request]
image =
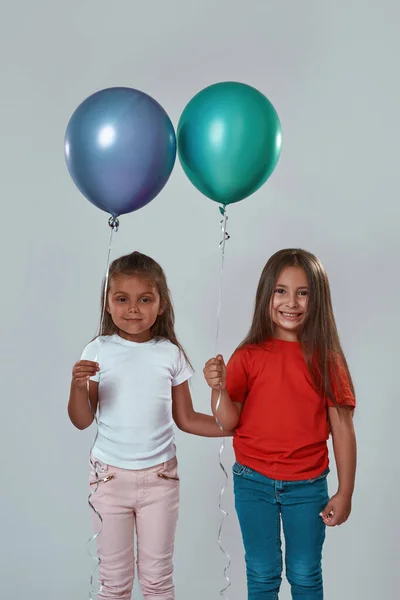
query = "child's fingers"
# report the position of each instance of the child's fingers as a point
(328, 511)
(331, 520)
(212, 362)
(84, 373)
(81, 378)
(220, 358)
(214, 377)
(214, 380)
(214, 369)
(86, 363)
(328, 515)
(215, 361)
(213, 372)
(85, 366)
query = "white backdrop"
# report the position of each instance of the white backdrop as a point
(331, 70)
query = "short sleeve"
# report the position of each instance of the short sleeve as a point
(92, 352)
(341, 385)
(182, 371)
(237, 376)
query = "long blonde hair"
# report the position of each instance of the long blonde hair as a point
(318, 334)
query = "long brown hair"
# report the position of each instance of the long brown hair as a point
(318, 334)
(142, 265)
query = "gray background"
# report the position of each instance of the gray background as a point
(331, 70)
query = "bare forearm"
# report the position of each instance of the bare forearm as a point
(78, 408)
(203, 425)
(345, 449)
(227, 413)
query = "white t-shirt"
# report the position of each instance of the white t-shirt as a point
(136, 428)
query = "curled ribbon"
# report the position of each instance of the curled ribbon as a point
(225, 238)
(114, 225)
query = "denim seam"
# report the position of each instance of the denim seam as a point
(279, 550)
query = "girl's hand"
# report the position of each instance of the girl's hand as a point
(337, 511)
(83, 370)
(215, 373)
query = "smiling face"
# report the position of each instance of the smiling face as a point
(289, 303)
(134, 305)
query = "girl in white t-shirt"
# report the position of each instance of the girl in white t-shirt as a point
(137, 375)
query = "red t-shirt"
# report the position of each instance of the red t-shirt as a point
(283, 429)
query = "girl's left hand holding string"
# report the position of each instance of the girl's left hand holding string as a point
(337, 511)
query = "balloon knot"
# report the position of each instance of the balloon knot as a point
(113, 223)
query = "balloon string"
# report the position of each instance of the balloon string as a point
(114, 225)
(225, 238)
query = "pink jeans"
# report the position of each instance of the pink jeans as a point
(149, 500)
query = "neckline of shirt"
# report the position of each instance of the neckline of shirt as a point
(284, 344)
(129, 343)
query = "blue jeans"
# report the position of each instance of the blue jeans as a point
(261, 504)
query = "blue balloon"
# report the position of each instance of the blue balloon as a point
(120, 149)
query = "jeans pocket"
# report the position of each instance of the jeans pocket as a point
(169, 470)
(102, 479)
(238, 469)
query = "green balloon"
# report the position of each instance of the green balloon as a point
(229, 141)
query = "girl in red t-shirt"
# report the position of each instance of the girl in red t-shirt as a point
(285, 389)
